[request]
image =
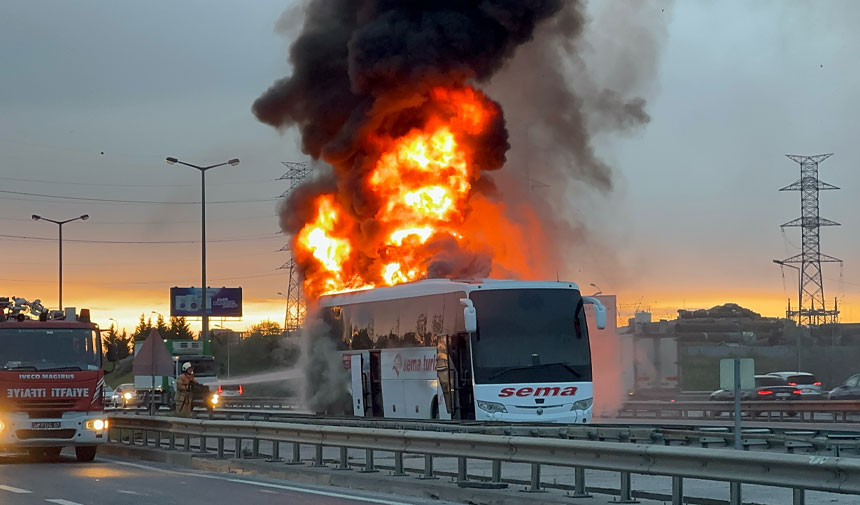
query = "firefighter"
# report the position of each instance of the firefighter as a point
(185, 391)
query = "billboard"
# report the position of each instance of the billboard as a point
(220, 302)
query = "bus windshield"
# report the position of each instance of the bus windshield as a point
(530, 335)
(49, 349)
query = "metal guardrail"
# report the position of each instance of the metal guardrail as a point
(790, 410)
(799, 473)
(828, 437)
(257, 402)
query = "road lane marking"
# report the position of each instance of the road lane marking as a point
(295, 489)
(330, 494)
(60, 501)
(14, 489)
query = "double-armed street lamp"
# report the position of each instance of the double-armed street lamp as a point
(60, 225)
(204, 330)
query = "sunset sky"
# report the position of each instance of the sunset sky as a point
(95, 95)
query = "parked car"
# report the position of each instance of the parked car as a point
(808, 384)
(848, 390)
(125, 396)
(767, 387)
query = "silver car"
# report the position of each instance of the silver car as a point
(125, 396)
(808, 384)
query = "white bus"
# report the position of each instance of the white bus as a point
(492, 350)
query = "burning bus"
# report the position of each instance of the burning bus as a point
(409, 194)
(515, 351)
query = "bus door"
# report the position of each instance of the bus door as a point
(465, 382)
(456, 378)
(357, 380)
(445, 373)
(377, 408)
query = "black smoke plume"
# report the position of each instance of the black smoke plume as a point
(364, 68)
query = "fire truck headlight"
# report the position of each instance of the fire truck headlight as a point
(214, 399)
(96, 424)
(582, 404)
(491, 407)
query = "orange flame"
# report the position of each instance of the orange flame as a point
(420, 189)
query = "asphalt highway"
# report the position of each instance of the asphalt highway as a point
(109, 481)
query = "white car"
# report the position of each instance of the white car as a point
(230, 390)
(124, 396)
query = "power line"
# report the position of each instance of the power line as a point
(107, 185)
(258, 217)
(171, 281)
(154, 260)
(154, 242)
(111, 200)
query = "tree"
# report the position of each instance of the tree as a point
(161, 326)
(144, 327)
(179, 329)
(264, 329)
(259, 350)
(111, 340)
(122, 343)
(125, 347)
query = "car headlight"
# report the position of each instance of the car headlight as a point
(214, 399)
(491, 407)
(127, 396)
(582, 404)
(2, 426)
(96, 424)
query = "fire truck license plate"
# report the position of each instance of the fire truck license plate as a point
(46, 426)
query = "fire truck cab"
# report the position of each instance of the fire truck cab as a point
(51, 380)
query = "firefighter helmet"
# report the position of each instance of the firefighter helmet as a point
(186, 366)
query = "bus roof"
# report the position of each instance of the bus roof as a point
(435, 287)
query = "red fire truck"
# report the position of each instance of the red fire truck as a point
(51, 380)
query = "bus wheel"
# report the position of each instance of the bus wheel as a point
(85, 452)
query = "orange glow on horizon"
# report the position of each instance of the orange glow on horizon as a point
(126, 306)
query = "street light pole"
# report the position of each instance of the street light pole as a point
(799, 304)
(60, 240)
(204, 330)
